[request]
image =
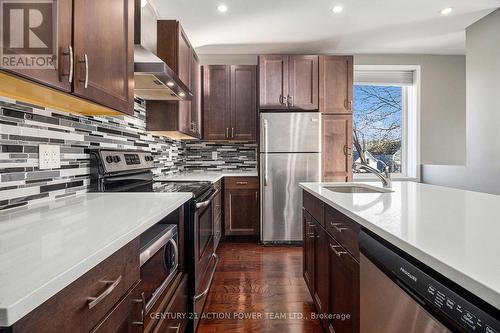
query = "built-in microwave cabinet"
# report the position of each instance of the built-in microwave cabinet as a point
(94, 53)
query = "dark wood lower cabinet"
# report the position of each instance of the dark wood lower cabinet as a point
(343, 291)
(321, 273)
(331, 272)
(308, 259)
(241, 206)
(125, 317)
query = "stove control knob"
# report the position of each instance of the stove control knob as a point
(109, 159)
(116, 159)
(149, 158)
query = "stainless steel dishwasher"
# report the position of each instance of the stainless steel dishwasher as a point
(397, 296)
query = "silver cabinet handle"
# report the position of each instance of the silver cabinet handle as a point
(176, 328)
(289, 100)
(70, 54)
(93, 301)
(232, 132)
(204, 292)
(142, 301)
(241, 183)
(337, 253)
(227, 132)
(86, 62)
(266, 158)
(338, 226)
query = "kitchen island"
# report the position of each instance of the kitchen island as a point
(46, 247)
(453, 232)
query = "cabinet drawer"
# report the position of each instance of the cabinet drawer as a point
(71, 309)
(175, 317)
(250, 183)
(314, 206)
(126, 316)
(343, 229)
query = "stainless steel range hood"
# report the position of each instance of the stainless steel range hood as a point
(154, 79)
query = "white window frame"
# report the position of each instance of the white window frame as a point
(410, 153)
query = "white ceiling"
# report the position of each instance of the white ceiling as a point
(292, 26)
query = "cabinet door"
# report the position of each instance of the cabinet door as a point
(308, 255)
(104, 52)
(335, 84)
(303, 83)
(196, 102)
(273, 81)
(185, 57)
(243, 102)
(241, 210)
(344, 288)
(59, 76)
(321, 270)
(337, 147)
(216, 103)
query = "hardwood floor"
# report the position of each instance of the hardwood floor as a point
(259, 281)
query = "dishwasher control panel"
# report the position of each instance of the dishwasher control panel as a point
(426, 290)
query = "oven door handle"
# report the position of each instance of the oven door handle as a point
(204, 292)
(208, 201)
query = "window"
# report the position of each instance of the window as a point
(385, 118)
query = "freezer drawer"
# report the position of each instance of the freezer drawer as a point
(281, 197)
(290, 132)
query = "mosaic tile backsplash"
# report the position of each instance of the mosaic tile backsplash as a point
(23, 127)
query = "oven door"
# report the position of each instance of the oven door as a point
(205, 259)
(159, 264)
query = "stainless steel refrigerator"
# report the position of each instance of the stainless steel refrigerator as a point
(290, 153)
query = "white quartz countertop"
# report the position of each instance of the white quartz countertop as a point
(455, 232)
(45, 247)
(206, 176)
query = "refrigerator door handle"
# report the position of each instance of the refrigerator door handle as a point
(265, 152)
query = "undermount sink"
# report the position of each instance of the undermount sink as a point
(356, 188)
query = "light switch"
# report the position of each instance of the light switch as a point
(49, 157)
(214, 156)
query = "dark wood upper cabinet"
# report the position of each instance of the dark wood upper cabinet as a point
(337, 147)
(288, 82)
(216, 102)
(230, 102)
(175, 49)
(60, 76)
(273, 79)
(241, 206)
(104, 52)
(335, 84)
(303, 82)
(195, 123)
(243, 102)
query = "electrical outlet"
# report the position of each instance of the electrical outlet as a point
(49, 157)
(214, 156)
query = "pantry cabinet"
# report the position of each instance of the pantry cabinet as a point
(230, 102)
(337, 147)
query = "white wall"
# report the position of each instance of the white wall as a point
(442, 99)
(482, 171)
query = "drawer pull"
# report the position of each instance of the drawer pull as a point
(176, 328)
(338, 227)
(337, 253)
(141, 301)
(93, 301)
(241, 183)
